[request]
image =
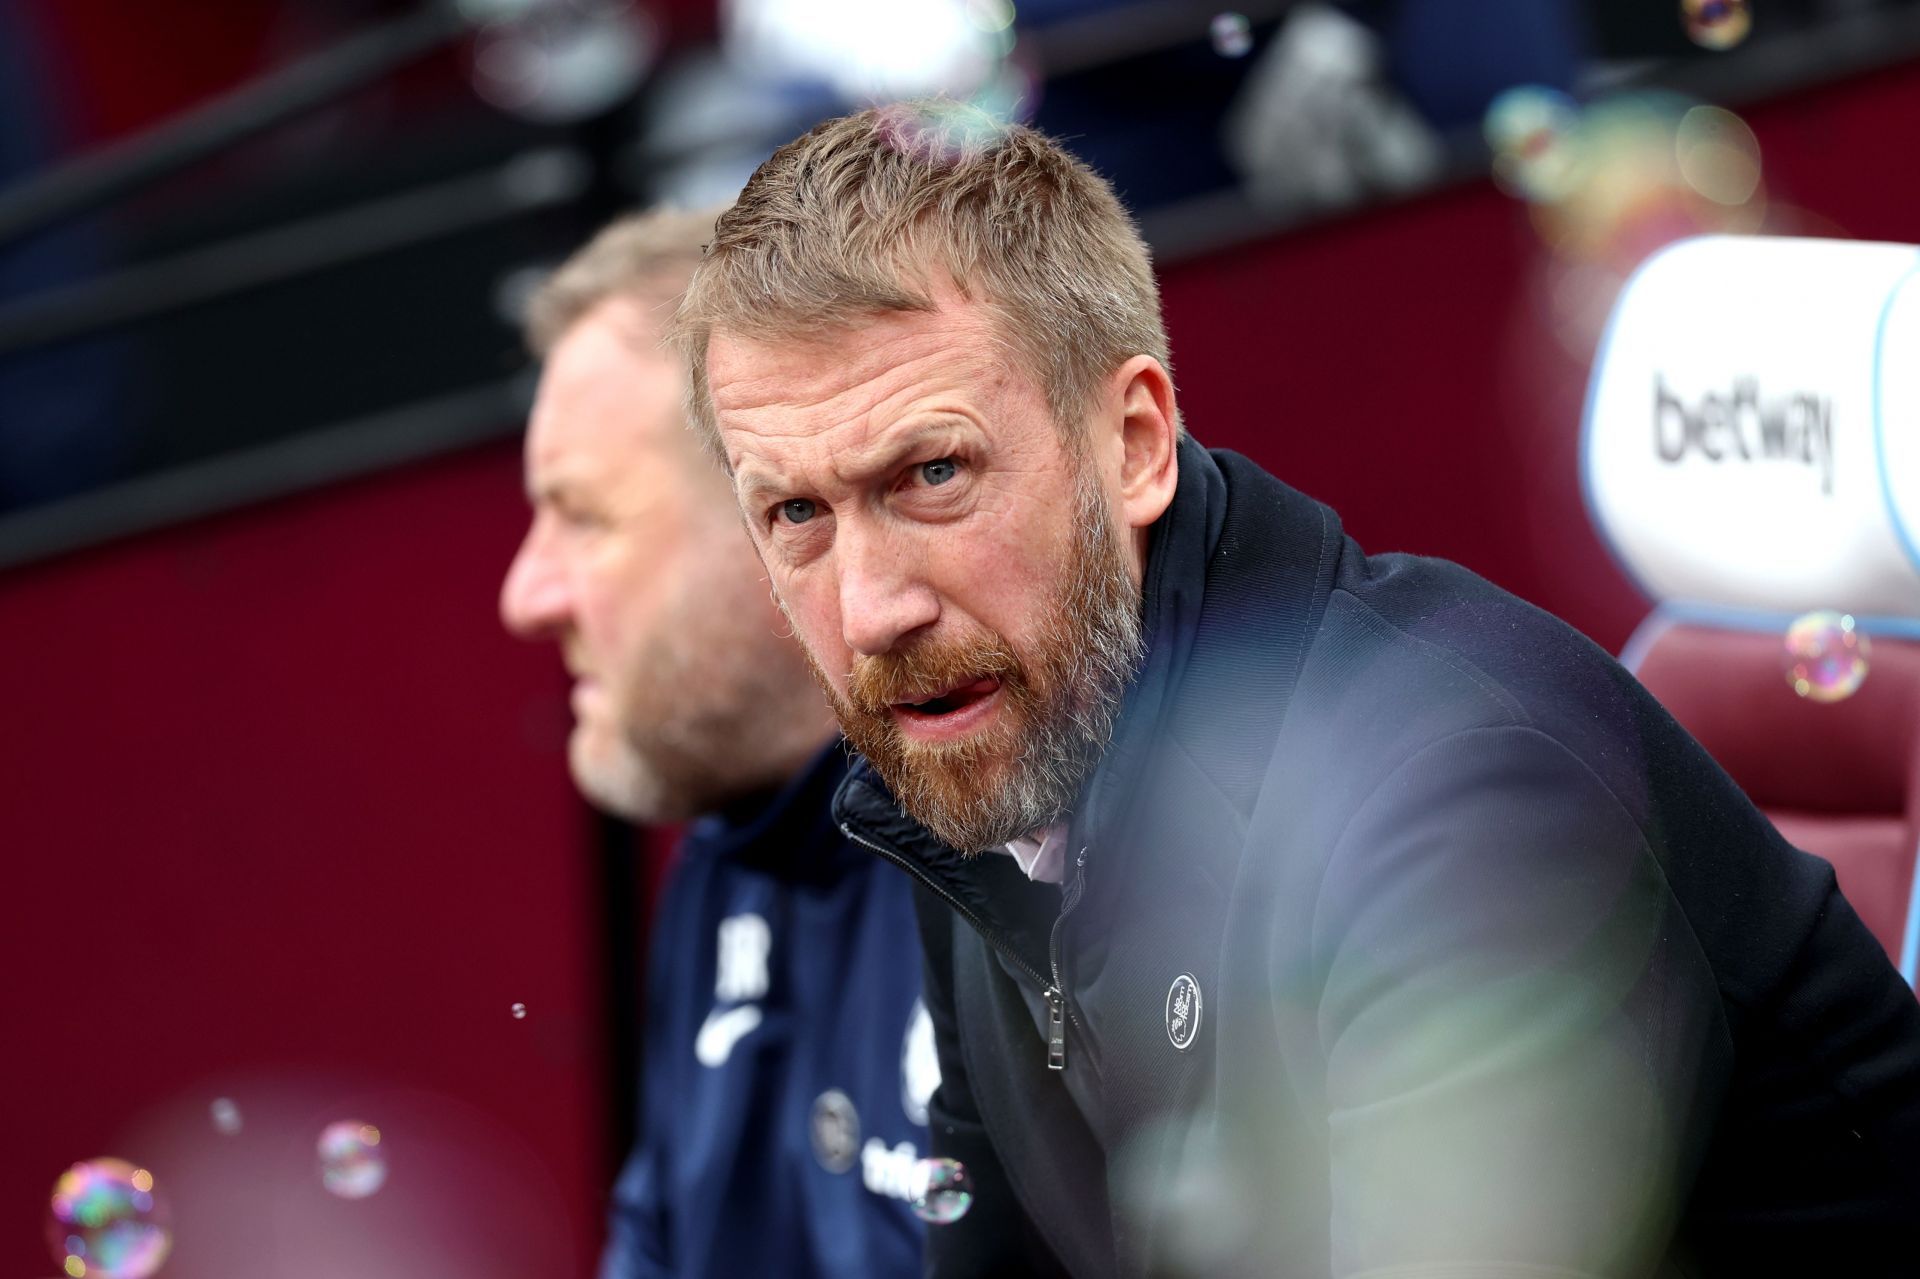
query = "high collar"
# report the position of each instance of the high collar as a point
(1173, 591)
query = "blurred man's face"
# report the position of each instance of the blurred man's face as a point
(635, 565)
(954, 570)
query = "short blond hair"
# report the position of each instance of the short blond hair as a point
(646, 257)
(862, 215)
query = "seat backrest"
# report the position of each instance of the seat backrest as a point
(1751, 452)
(1841, 779)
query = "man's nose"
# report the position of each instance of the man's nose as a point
(534, 599)
(883, 596)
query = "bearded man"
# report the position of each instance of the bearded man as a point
(788, 1061)
(1360, 919)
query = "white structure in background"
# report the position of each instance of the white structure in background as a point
(1749, 437)
(557, 61)
(1317, 126)
(868, 49)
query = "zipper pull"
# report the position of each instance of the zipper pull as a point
(1056, 1029)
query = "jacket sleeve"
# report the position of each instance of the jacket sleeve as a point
(639, 1238)
(1520, 1033)
(636, 1234)
(995, 1240)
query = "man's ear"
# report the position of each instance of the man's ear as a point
(1149, 430)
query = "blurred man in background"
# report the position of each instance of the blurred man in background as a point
(788, 1060)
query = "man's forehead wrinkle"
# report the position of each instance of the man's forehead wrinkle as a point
(826, 392)
(746, 394)
(846, 440)
(814, 368)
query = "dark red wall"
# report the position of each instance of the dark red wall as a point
(1399, 365)
(287, 821)
(286, 818)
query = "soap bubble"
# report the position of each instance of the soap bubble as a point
(942, 1191)
(519, 1012)
(1013, 95)
(225, 1115)
(940, 129)
(1826, 656)
(107, 1221)
(351, 1164)
(1232, 36)
(1532, 132)
(1718, 154)
(1716, 24)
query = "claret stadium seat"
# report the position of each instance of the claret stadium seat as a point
(1751, 454)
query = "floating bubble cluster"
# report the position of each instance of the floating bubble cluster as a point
(225, 1115)
(942, 1191)
(1232, 35)
(1624, 175)
(351, 1165)
(107, 1221)
(1609, 183)
(1826, 656)
(1716, 24)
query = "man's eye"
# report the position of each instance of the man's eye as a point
(939, 471)
(797, 510)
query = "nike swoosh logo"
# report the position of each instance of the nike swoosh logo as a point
(721, 1031)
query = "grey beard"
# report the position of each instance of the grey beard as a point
(1099, 627)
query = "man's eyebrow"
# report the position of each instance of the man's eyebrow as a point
(883, 455)
(886, 453)
(877, 458)
(551, 489)
(756, 486)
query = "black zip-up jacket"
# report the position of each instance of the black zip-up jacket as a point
(1403, 934)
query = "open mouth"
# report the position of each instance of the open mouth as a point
(953, 700)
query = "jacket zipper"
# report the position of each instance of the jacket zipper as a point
(1059, 1012)
(1057, 1008)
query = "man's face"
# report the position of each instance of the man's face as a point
(635, 565)
(952, 567)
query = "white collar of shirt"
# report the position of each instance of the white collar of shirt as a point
(1042, 854)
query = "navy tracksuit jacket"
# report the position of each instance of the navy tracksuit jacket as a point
(1403, 936)
(788, 1058)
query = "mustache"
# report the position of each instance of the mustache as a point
(927, 669)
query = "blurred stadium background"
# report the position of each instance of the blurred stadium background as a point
(286, 816)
